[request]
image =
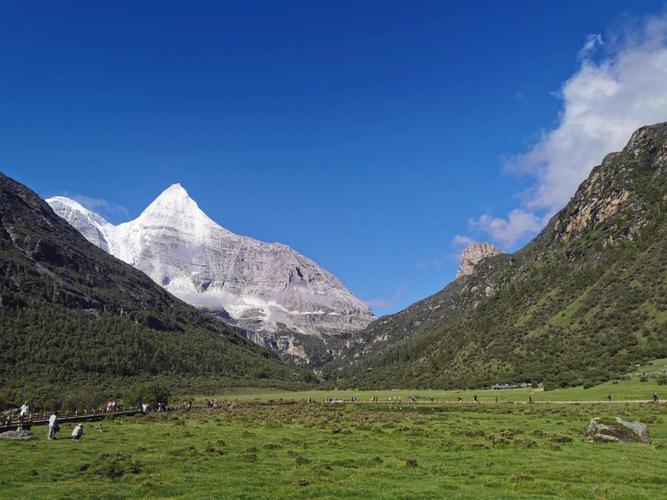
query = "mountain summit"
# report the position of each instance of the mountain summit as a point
(473, 255)
(282, 299)
(175, 206)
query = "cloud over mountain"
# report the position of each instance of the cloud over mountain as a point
(603, 102)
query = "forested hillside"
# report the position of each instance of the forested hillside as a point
(71, 313)
(586, 299)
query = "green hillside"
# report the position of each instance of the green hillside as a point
(582, 302)
(72, 314)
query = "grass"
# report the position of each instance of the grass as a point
(323, 451)
(621, 390)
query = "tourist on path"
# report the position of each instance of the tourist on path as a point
(25, 410)
(53, 426)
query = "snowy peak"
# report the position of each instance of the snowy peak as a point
(174, 202)
(87, 222)
(176, 197)
(75, 206)
(267, 288)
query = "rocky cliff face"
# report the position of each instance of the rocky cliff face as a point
(268, 289)
(473, 255)
(580, 303)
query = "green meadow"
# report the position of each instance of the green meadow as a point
(317, 450)
(637, 386)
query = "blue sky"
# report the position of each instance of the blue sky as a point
(374, 137)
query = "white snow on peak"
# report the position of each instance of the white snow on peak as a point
(182, 249)
(175, 202)
(74, 205)
(90, 224)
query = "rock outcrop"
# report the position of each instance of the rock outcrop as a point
(608, 430)
(472, 256)
(19, 433)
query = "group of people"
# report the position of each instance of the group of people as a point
(54, 427)
(77, 432)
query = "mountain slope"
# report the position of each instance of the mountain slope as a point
(268, 289)
(71, 312)
(583, 301)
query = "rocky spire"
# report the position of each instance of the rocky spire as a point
(472, 255)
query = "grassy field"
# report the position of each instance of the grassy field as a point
(621, 390)
(318, 451)
(396, 449)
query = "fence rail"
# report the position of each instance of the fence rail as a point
(12, 422)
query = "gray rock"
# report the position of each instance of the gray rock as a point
(610, 430)
(473, 255)
(19, 433)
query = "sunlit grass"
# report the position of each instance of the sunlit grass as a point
(317, 450)
(622, 390)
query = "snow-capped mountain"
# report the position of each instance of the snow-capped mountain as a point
(267, 288)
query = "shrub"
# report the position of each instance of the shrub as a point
(148, 392)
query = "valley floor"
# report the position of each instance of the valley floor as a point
(323, 451)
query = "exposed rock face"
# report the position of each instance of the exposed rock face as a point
(472, 255)
(616, 431)
(608, 190)
(264, 287)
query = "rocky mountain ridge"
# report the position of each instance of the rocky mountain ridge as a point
(278, 297)
(582, 302)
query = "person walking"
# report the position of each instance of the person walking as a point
(53, 426)
(609, 398)
(655, 397)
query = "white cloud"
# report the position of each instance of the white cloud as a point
(593, 41)
(603, 102)
(98, 205)
(509, 231)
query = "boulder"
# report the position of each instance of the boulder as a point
(616, 430)
(19, 433)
